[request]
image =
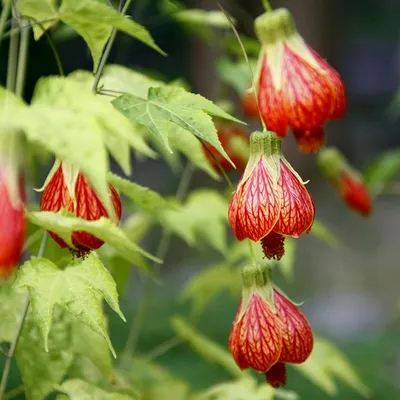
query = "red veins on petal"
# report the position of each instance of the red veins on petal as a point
(307, 96)
(12, 228)
(297, 208)
(270, 101)
(260, 342)
(234, 342)
(254, 207)
(276, 376)
(309, 141)
(355, 194)
(87, 206)
(297, 336)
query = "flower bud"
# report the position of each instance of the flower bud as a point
(347, 180)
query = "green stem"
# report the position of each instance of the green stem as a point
(14, 392)
(253, 256)
(22, 61)
(5, 12)
(267, 5)
(107, 50)
(14, 343)
(12, 59)
(161, 252)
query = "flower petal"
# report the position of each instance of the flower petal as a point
(234, 341)
(254, 207)
(260, 339)
(297, 209)
(297, 336)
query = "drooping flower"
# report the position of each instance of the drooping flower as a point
(269, 330)
(270, 200)
(12, 200)
(347, 180)
(68, 189)
(235, 141)
(297, 88)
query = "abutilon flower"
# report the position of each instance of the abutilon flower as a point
(235, 141)
(296, 87)
(270, 200)
(269, 330)
(347, 180)
(310, 141)
(12, 200)
(66, 188)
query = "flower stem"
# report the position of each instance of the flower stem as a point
(161, 252)
(253, 256)
(12, 59)
(267, 5)
(3, 18)
(22, 61)
(14, 343)
(107, 50)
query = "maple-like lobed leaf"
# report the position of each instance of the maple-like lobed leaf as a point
(79, 289)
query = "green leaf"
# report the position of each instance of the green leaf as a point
(205, 347)
(244, 389)
(102, 228)
(78, 289)
(40, 370)
(80, 390)
(194, 219)
(326, 363)
(94, 22)
(39, 11)
(286, 264)
(148, 200)
(174, 104)
(385, 168)
(203, 287)
(126, 80)
(251, 45)
(11, 305)
(236, 74)
(322, 232)
(194, 16)
(117, 132)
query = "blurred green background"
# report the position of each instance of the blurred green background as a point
(351, 293)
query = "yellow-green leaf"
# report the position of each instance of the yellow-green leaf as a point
(94, 22)
(78, 289)
(103, 228)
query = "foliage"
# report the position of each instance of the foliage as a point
(65, 346)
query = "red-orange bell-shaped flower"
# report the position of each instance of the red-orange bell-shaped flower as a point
(270, 199)
(235, 141)
(269, 330)
(348, 181)
(296, 87)
(66, 188)
(12, 200)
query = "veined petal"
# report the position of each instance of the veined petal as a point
(234, 341)
(309, 94)
(297, 336)
(297, 208)
(260, 339)
(255, 205)
(270, 99)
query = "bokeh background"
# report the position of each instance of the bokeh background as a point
(350, 293)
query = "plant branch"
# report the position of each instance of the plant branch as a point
(14, 343)
(107, 50)
(161, 252)
(22, 61)
(267, 5)
(5, 12)
(12, 59)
